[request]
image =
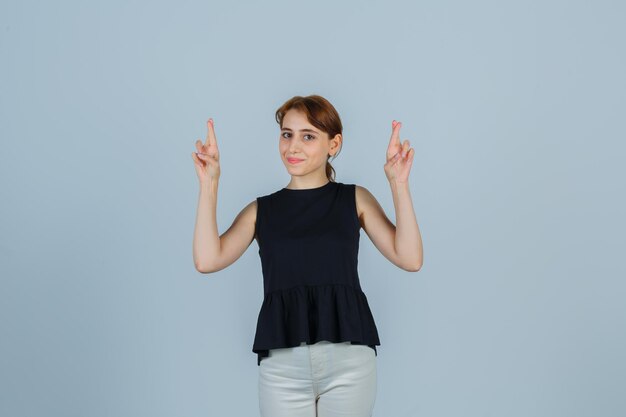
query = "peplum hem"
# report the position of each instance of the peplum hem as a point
(311, 313)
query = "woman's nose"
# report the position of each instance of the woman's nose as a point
(294, 146)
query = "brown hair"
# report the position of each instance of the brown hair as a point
(321, 114)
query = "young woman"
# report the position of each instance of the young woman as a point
(316, 337)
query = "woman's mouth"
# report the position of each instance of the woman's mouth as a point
(294, 160)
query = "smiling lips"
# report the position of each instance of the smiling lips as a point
(294, 160)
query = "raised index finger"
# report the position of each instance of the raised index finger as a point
(210, 136)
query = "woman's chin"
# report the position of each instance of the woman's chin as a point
(293, 167)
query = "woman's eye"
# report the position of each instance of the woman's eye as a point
(287, 133)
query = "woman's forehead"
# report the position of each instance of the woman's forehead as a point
(298, 123)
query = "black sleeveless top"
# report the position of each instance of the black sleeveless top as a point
(308, 243)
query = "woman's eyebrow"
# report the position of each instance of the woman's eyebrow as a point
(302, 130)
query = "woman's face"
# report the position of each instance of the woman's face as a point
(303, 147)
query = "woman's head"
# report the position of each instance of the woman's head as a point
(310, 131)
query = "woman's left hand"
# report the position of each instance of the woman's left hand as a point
(399, 156)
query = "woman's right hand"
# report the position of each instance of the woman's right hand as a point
(207, 157)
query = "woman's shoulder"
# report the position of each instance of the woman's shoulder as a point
(358, 189)
(364, 198)
(268, 195)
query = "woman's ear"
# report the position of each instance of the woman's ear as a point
(337, 140)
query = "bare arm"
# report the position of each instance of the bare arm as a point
(206, 241)
(212, 252)
(407, 237)
(401, 245)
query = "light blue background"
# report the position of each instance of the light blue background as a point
(516, 112)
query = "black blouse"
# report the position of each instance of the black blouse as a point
(308, 243)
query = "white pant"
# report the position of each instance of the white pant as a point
(320, 380)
